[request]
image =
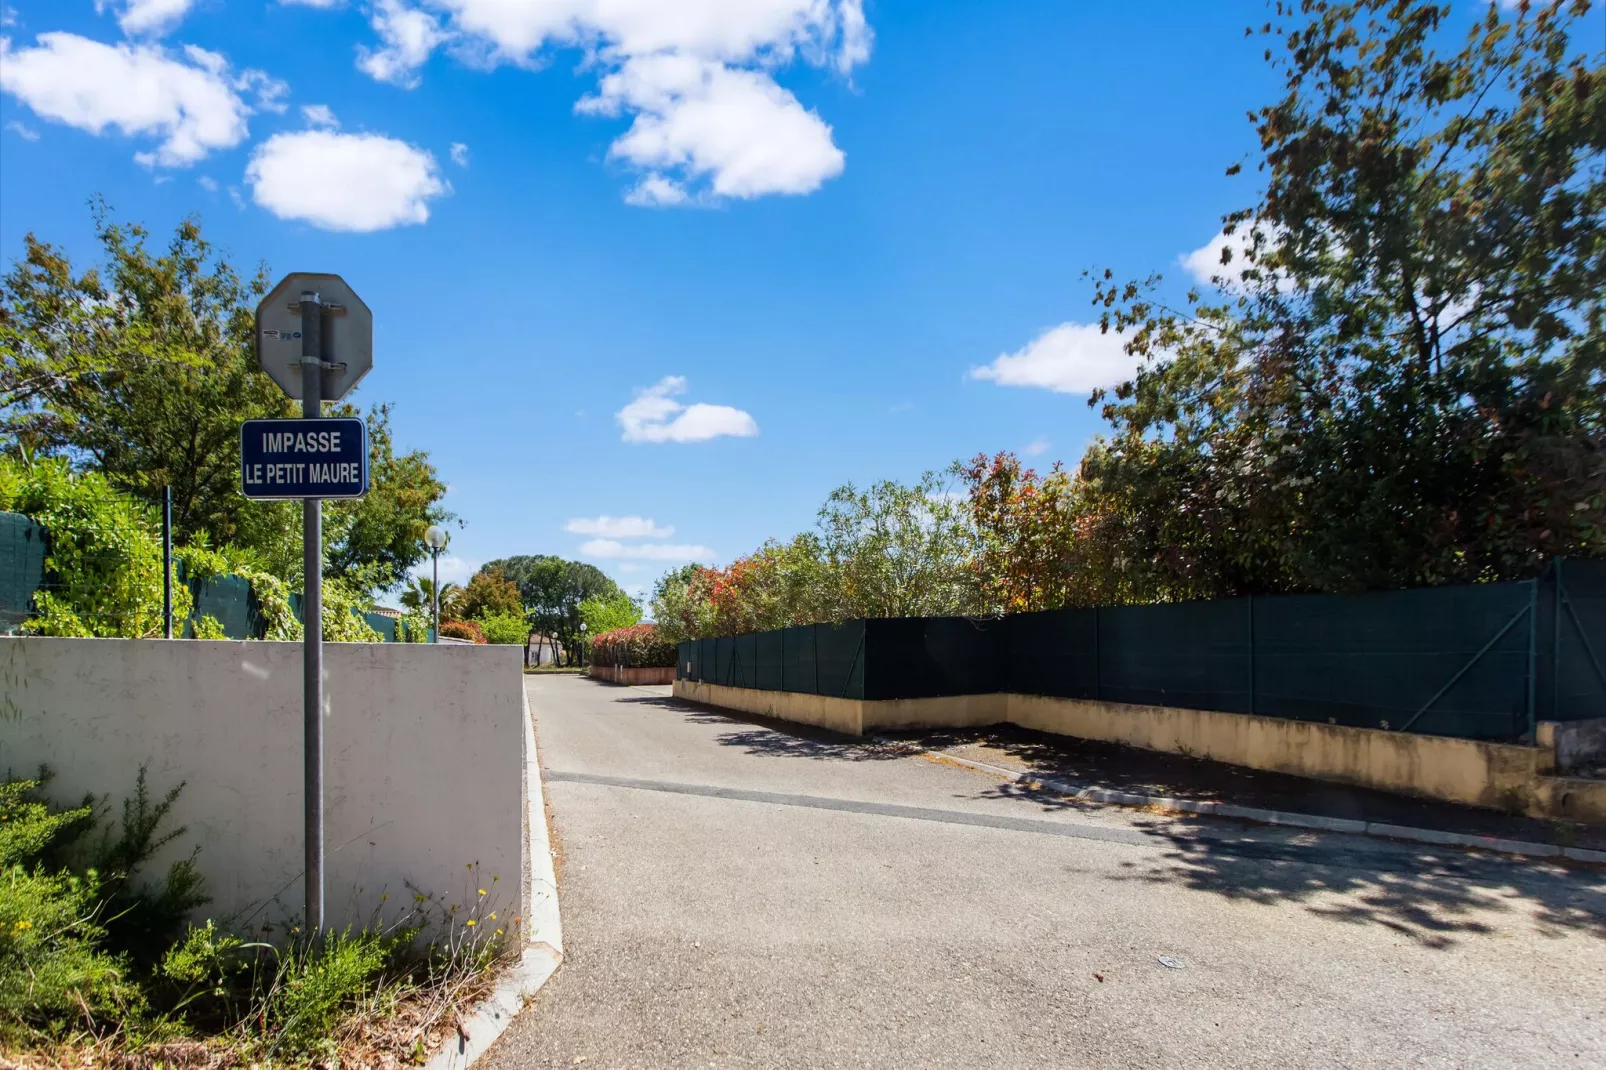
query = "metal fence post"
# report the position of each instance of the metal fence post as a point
(167, 562)
(1098, 668)
(1251, 655)
(1533, 657)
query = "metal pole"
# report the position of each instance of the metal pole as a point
(312, 620)
(1533, 658)
(435, 594)
(1251, 654)
(167, 562)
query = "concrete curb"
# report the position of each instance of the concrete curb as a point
(543, 951)
(1346, 826)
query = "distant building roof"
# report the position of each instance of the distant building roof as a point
(386, 611)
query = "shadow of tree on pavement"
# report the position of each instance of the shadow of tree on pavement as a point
(1429, 894)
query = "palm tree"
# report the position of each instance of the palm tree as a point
(419, 596)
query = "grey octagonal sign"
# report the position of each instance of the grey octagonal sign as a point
(348, 333)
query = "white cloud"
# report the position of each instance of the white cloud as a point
(27, 133)
(733, 127)
(409, 36)
(619, 527)
(646, 551)
(207, 183)
(312, 3)
(154, 17)
(656, 191)
(352, 182)
(1073, 358)
(1205, 266)
(460, 154)
(696, 76)
(655, 416)
(194, 107)
(1037, 447)
(320, 115)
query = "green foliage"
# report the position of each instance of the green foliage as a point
(607, 613)
(75, 924)
(103, 566)
(505, 629)
(1399, 376)
(413, 628)
(490, 594)
(208, 627)
(419, 596)
(143, 368)
(552, 589)
(888, 551)
(343, 608)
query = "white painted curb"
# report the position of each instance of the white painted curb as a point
(543, 950)
(1267, 817)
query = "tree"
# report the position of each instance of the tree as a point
(1400, 375)
(552, 589)
(143, 369)
(490, 594)
(419, 597)
(899, 551)
(605, 614)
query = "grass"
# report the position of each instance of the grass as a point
(553, 670)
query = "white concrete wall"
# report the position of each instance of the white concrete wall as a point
(424, 760)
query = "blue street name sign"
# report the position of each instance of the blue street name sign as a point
(322, 458)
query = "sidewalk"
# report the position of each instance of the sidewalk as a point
(1093, 764)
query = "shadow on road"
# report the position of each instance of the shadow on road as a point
(768, 737)
(1427, 894)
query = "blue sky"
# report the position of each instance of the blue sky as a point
(693, 262)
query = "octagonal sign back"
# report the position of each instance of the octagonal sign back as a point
(348, 333)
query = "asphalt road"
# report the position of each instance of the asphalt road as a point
(740, 894)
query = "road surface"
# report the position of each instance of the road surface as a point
(737, 894)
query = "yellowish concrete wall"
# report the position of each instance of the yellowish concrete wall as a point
(1439, 767)
(825, 711)
(1467, 771)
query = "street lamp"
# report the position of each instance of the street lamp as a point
(435, 536)
(582, 644)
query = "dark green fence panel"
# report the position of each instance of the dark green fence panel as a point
(840, 654)
(1052, 653)
(22, 568)
(800, 668)
(724, 659)
(1398, 659)
(226, 599)
(1474, 661)
(768, 666)
(385, 626)
(1579, 606)
(1189, 654)
(928, 657)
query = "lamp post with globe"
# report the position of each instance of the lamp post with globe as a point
(435, 536)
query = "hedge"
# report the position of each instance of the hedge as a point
(641, 646)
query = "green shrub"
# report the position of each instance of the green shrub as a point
(640, 646)
(209, 627)
(506, 629)
(103, 565)
(53, 967)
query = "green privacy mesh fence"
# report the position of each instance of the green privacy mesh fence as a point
(1481, 662)
(22, 568)
(228, 599)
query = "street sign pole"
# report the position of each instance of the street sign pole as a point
(315, 339)
(312, 619)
